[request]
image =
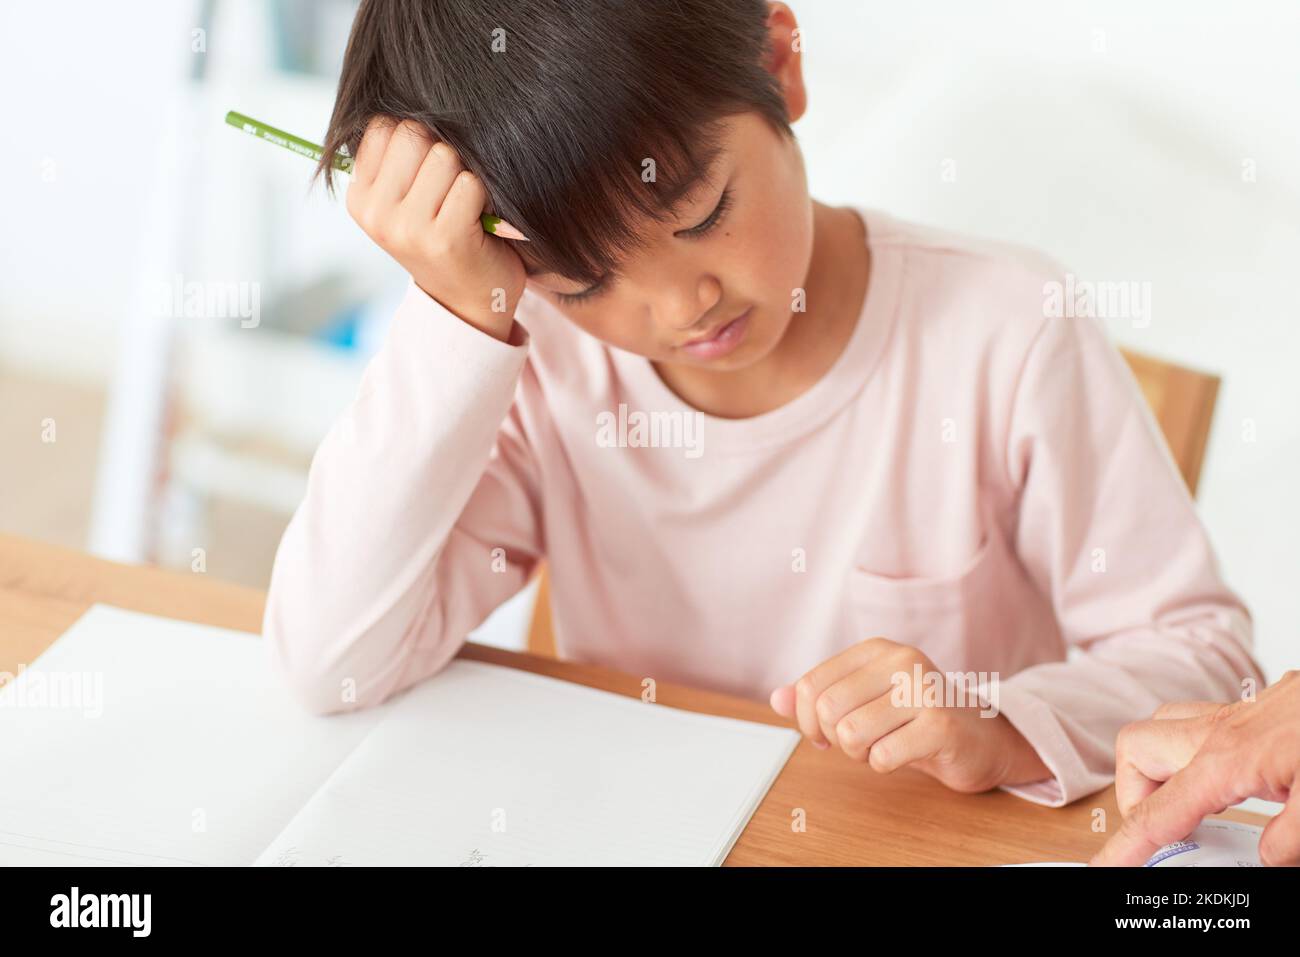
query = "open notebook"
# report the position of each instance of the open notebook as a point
(140, 740)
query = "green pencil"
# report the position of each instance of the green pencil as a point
(492, 224)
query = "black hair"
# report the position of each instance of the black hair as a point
(556, 104)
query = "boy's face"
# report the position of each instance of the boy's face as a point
(715, 289)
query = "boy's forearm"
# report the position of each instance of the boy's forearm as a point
(357, 568)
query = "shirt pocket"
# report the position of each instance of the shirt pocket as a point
(952, 618)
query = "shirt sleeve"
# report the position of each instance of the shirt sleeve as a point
(420, 516)
(1108, 529)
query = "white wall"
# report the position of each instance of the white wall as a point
(73, 185)
(1113, 136)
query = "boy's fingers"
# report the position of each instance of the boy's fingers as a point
(782, 701)
(462, 210)
(911, 742)
(437, 172)
(809, 688)
(865, 729)
(859, 687)
(1171, 813)
(407, 147)
(370, 154)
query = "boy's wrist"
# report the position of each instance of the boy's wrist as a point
(499, 326)
(1024, 765)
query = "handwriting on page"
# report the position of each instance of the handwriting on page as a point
(290, 857)
(478, 859)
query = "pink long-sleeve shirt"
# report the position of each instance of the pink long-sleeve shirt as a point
(971, 478)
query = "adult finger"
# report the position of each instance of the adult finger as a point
(1148, 753)
(1279, 845)
(1169, 814)
(1186, 709)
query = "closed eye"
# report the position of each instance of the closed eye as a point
(589, 293)
(695, 232)
(715, 217)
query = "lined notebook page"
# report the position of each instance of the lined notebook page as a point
(487, 766)
(156, 742)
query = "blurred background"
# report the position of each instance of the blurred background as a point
(181, 317)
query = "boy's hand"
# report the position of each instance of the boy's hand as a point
(419, 204)
(849, 702)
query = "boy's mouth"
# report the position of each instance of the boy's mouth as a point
(722, 340)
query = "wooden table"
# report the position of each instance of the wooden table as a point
(853, 815)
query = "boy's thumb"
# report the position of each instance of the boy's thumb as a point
(782, 701)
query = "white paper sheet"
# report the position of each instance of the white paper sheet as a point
(140, 740)
(188, 753)
(1213, 844)
(486, 766)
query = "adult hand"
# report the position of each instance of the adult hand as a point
(1198, 758)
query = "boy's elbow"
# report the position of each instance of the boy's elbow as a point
(330, 669)
(317, 694)
(301, 669)
(315, 691)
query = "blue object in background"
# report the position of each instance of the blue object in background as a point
(360, 327)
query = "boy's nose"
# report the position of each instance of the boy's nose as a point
(683, 299)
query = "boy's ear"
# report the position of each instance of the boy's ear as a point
(785, 57)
